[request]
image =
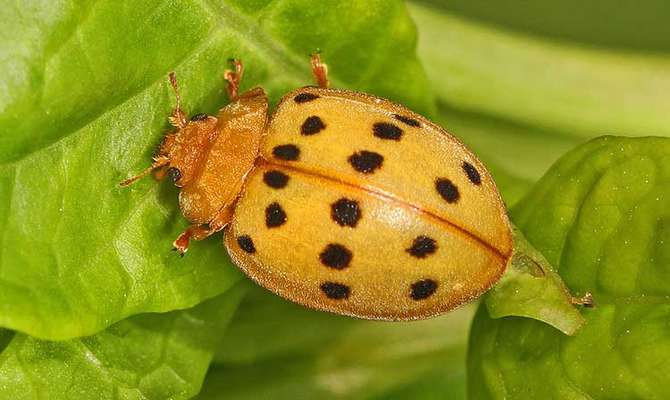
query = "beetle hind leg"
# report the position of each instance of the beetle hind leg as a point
(320, 71)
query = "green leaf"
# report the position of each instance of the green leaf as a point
(83, 105)
(305, 354)
(601, 216)
(149, 356)
(531, 288)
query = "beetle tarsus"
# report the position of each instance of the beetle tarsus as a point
(180, 245)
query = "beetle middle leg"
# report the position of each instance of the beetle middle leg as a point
(202, 231)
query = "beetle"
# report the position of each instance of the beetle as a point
(339, 200)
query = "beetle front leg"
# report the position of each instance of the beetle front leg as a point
(178, 117)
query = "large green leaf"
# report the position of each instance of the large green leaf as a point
(150, 356)
(83, 104)
(278, 350)
(601, 217)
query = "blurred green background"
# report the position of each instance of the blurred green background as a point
(624, 25)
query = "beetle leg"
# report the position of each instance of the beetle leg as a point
(320, 71)
(585, 301)
(234, 78)
(182, 242)
(203, 231)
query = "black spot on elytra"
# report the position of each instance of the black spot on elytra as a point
(274, 215)
(423, 289)
(385, 130)
(447, 190)
(246, 244)
(407, 120)
(472, 173)
(275, 179)
(335, 291)
(199, 117)
(345, 212)
(336, 256)
(305, 97)
(174, 173)
(288, 152)
(422, 247)
(366, 161)
(312, 125)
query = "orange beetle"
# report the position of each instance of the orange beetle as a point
(340, 201)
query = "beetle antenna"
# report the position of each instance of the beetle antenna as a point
(158, 162)
(178, 117)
